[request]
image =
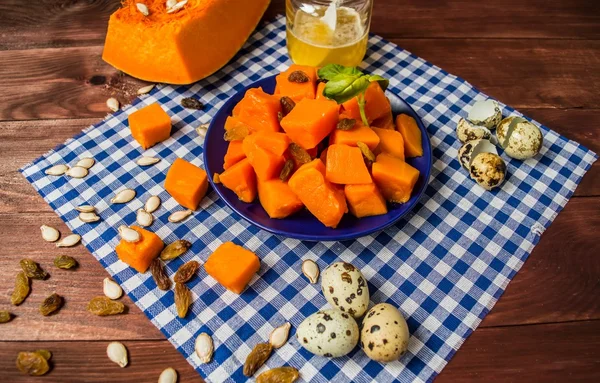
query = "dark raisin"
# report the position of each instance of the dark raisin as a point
(287, 104)
(192, 103)
(298, 76)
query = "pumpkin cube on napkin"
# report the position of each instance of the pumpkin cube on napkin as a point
(187, 183)
(140, 254)
(150, 125)
(232, 266)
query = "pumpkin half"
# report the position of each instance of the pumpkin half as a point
(180, 47)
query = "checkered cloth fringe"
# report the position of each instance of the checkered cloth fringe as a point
(444, 265)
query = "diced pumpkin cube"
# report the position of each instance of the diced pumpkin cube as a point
(385, 122)
(150, 125)
(407, 126)
(232, 266)
(394, 177)
(350, 137)
(295, 90)
(310, 121)
(277, 198)
(140, 254)
(365, 200)
(234, 154)
(259, 110)
(187, 183)
(241, 179)
(376, 104)
(320, 89)
(390, 142)
(322, 198)
(266, 165)
(234, 123)
(345, 165)
(276, 143)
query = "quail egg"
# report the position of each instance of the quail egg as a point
(520, 138)
(471, 149)
(384, 335)
(469, 132)
(485, 113)
(330, 333)
(345, 288)
(488, 170)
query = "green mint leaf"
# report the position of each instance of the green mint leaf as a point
(383, 82)
(329, 71)
(343, 87)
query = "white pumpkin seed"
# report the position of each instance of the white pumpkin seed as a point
(69, 240)
(123, 196)
(145, 89)
(143, 218)
(280, 335)
(89, 217)
(169, 375)
(113, 104)
(77, 172)
(177, 6)
(128, 234)
(49, 234)
(204, 347)
(117, 353)
(170, 3)
(147, 161)
(310, 270)
(85, 209)
(57, 170)
(179, 216)
(87, 162)
(111, 289)
(201, 130)
(142, 8)
(152, 204)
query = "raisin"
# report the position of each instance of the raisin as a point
(21, 290)
(157, 268)
(192, 103)
(367, 153)
(287, 104)
(286, 171)
(51, 304)
(32, 269)
(186, 272)
(175, 249)
(103, 306)
(65, 262)
(257, 357)
(346, 124)
(183, 299)
(300, 155)
(236, 133)
(284, 374)
(32, 363)
(298, 76)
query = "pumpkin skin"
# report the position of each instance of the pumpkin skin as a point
(181, 47)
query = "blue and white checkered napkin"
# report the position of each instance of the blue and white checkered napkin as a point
(444, 266)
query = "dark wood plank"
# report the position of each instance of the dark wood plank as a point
(77, 23)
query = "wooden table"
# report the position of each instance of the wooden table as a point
(541, 57)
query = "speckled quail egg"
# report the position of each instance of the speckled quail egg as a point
(520, 138)
(345, 288)
(470, 149)
(485, 113)
(330, 333)
(488, 170)
(384, 334)
(469, 132)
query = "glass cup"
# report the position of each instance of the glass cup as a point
(321, 32)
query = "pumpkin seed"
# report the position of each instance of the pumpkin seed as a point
(128, 234)
(85, 209)
(346, 124)
(179, 216)
(86, 162)
(257, 357)
(298, 76)
(65, 262)
(117, 353)
(113, 104)
(171, 3)
(169, 375)
(142, 8)
(311, 270)
(202, 129)
(177, 6)
(123, 196)
(183, 299)
(56, 170)
(152, 204)
(77, 172)
(280, 335)
(111, 289)
(143, 218)
(51, 304)
(147, 161)
(175, 249)
(204, 347)
(192, 103)
(145, 89)
(88, 217)
(69, 240)
(287, 104)
(287, 169)
(103, 306)
(367, 153)
(285, 374)
(49, 234)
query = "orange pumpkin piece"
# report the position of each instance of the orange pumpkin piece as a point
(365, 200)
(351, 137)
(385, 122)
(295, 90)
(277, 198)
(266, 165)
(258, 110)
(345, 165)
(376, 104)
(322, 198)
(320, 89)
(140, 255)
(187, 183)
(391, 142)
(241, 179)
(234, 123)
(310, 121)
(232, 266)
(276, 143)
(234, 154)
(394, 177)
(181, 47)
(407, 126)
(150, 125)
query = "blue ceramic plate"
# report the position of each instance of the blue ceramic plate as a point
(303, 225)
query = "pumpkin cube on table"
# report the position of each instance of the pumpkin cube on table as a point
(140, 255)
(150, 125)
(232, 266)
(187, 183)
